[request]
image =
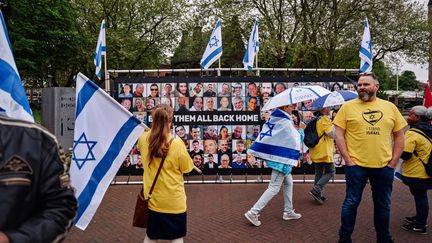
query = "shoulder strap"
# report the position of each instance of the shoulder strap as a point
(421, 133)
(158, 172)
(318, 118)
(424, 135)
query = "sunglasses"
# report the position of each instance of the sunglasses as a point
(154, 89)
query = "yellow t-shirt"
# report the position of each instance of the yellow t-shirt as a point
(368, 130)
(324, 150)
(168, 194)
(413, 167)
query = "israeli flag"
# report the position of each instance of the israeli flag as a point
(366, 50)
(214, 47)
(100, 50)
(13, 98)
(252, 48)
(104, 134)
(278, 141)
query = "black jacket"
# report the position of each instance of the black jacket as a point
(37, 203)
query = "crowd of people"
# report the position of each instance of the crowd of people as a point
(370, 133)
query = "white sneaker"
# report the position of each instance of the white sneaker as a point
(292, 215)
(253, 218)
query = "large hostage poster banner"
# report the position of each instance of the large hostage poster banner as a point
(218, 118)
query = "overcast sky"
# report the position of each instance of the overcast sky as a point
(421, 71)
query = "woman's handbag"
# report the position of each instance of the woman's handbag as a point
(140, 218)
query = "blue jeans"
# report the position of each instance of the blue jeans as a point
(422, 206)
(323, 173)
(381, 180)
(277, 180)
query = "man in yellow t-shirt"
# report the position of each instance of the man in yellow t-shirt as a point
(322, 155)
(364, 131)
(418, 146)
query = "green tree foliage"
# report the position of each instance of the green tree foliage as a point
(58, 37)
(139, 35)
(44, 40)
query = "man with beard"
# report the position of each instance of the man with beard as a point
(139, 90)
(182, 103)
(210, 92)
(364, 129)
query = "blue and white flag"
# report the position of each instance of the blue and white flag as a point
(252, 48)
(13, 98)
(214, 47)
(100, 50)
(365, 53)
(104, 135)
(278, 140)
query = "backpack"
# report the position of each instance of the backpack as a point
(428, 164)
(311, 138)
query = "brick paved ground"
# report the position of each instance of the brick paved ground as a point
(215, 214)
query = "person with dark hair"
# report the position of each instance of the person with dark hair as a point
(336, 87)
(167, 206)
(279, 88)
(252, 104)
(198, 161)
(125, 92)
(182, 103)
(167, 92)
(139, 90)
(253, 90)
(37, 202)
(196, 149)
(182, 90)
(197, 91)
(154, 91)
(210, 91)
(224, 133)
(370, 137)
(210, 164)
(417, 150)
(195, 132)
(197, 104)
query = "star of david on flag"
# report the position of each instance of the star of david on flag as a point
(278, 141)
(214, 47)
(100, 50)
(13, 98)
(81, 159)
(269, 131)
(252, 48)
(365, 52)
(104, 134)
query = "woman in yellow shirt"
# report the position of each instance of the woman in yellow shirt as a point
(167, 206)
(417, 147)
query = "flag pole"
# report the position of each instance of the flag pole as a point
(219, 72)
(256, 64)
(107, 81)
